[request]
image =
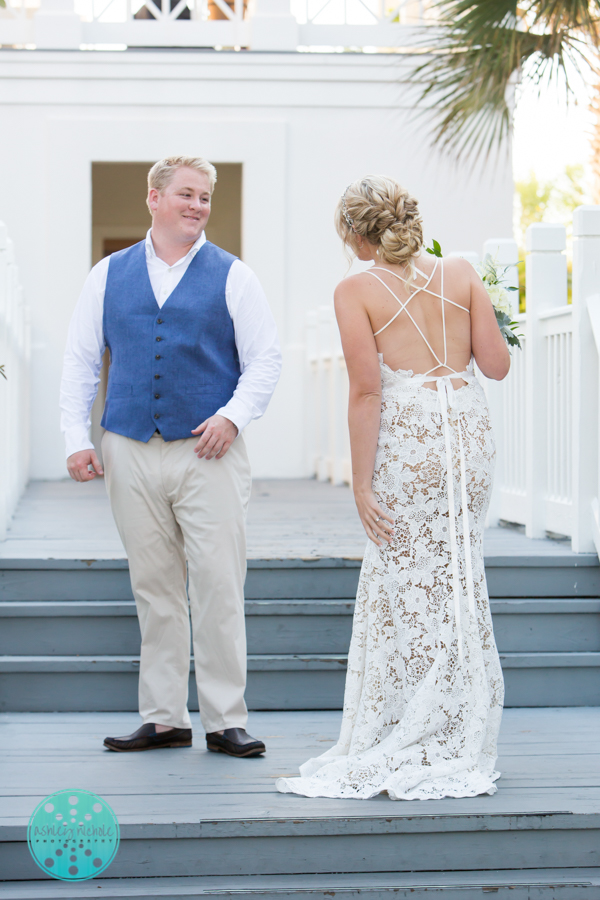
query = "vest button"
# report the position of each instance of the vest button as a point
(159, 321)
(159, 339)
(158, 356)
(157, 376)
(156, 416)
(157, 396)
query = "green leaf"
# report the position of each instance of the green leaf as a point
(507, 327)
(2, 372)
(511, 338)
(435, 249)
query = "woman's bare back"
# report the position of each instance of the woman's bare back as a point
(414, 328)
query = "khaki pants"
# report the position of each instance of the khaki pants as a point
(170, 506)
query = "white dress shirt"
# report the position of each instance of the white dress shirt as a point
(255, 338)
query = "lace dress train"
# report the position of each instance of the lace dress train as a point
(424, 689)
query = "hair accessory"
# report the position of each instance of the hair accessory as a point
(345, 210)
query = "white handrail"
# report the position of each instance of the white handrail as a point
(14, 390)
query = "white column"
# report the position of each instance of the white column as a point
(546, 272)
(57, 26)
(273, 27)
(586, 335)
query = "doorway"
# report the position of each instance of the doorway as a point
(120, 218)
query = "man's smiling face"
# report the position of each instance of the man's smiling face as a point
(183, 207)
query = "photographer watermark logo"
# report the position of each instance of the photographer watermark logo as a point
(73, 835)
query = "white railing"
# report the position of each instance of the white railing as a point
(258, 25)
(327, 399)
(14, 390)
(545, 413)
(358, 12)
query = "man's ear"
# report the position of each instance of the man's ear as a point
(152, 198)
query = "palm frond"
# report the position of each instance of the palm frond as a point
(483, 48)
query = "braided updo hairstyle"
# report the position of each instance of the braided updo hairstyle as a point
(382, 212)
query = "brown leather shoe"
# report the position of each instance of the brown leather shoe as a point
(234, 742)
(147, 738)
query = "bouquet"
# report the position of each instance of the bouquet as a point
(493, 276)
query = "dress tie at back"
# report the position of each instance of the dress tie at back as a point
(446, 394)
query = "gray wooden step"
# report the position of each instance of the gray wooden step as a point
(275, 681)
(33, 579)
(542, 884)
(190, 814)
(63, 628)
(563, 574)
(69, 637)
(110, 683)
(375, 841)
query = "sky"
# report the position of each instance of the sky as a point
(550, 135)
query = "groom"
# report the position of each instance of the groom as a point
(194, 358)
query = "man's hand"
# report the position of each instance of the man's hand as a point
(218, 434)
(78, 463)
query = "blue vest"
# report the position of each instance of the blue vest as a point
(171, 368)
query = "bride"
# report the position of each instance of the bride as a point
(424, 688)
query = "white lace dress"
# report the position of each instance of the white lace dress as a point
(424, 688)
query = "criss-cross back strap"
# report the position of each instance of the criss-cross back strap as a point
(425, 288)
(404, 305)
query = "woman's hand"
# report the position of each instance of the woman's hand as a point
(377, 523)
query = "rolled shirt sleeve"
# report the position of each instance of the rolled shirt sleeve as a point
(257, 345)
(83, 361)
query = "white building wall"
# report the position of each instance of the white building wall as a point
(302, 125)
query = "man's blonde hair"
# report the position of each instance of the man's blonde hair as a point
(162, 172)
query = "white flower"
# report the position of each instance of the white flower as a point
(489, 273)
(500, 298)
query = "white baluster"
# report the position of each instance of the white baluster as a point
(546, 271)
(586, 341)
(323, 388)
(273, 27)
(57, 26)
(311, 394)
(337, 412)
